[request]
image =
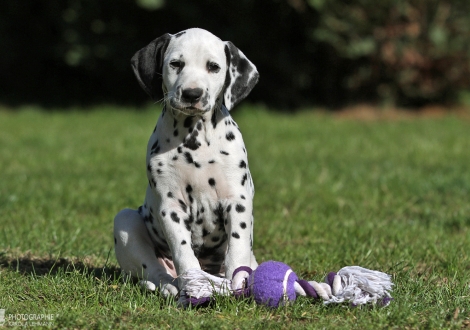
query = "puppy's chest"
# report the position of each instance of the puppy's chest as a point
(196, 168)
(208, 155)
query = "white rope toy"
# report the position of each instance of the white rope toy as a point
(274, 284)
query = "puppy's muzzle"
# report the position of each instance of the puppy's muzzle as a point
(190, 101)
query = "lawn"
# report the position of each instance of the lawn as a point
(391, 195)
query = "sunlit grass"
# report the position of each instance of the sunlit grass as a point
(387, 195)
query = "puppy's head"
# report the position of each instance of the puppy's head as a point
(199, 71)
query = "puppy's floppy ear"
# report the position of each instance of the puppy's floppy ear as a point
(240, 78)
(147, 64)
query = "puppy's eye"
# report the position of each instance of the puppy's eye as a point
(176, 64)
(213, 67)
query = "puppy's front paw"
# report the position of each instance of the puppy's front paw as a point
(169, 290)
(147, 285)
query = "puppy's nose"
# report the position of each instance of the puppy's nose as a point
(191, 95)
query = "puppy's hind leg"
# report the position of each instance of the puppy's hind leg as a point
(136, 255)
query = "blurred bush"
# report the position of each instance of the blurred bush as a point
(323, 52)
(406, 52)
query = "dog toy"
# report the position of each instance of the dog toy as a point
(275, 284)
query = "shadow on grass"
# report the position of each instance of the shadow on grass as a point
(41, 266)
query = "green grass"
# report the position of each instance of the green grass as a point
(387, 195)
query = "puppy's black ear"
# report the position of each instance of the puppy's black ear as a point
(240, 78)
(147, 64)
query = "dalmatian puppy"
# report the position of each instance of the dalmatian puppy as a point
(198, 206)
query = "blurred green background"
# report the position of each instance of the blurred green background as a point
(406, 53)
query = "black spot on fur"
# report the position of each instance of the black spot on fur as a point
(219, 212)
(235, 235)
(244, 178)
(188, 223)
(183, 242)
(183, 205)
(155, 231)
(149, 168)
(175, 122)
(188, 121)
(175, 132)
(175, 157)
(199, 221)
(242, 197)
(154, 145)
(154, 182)
(163, 213)
(179, 149)
(199, 126)
(211, 251)
(243, 225)
(156, 150)
(197, 164)
(227, 74)
(217, 257)
(240, 208)
(159, 171)
(189, 158)
(115, 240)
(214, 119)
(175, 217)
(189, 189)
(229, 207)
(224, 152)
(192, 143)
(242, 164)
(215, 238)
(229, 136)
(212, 182)
(144, 265)
(205, 232)
(170, 194)
(167, 140)
(160, 164)
(179, 34)
(211, 161)
(202, 209)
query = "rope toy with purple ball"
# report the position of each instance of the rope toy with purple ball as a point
(275, 284)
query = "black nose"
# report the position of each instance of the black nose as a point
(191, 95)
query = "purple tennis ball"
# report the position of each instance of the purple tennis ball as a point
(272, 284)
